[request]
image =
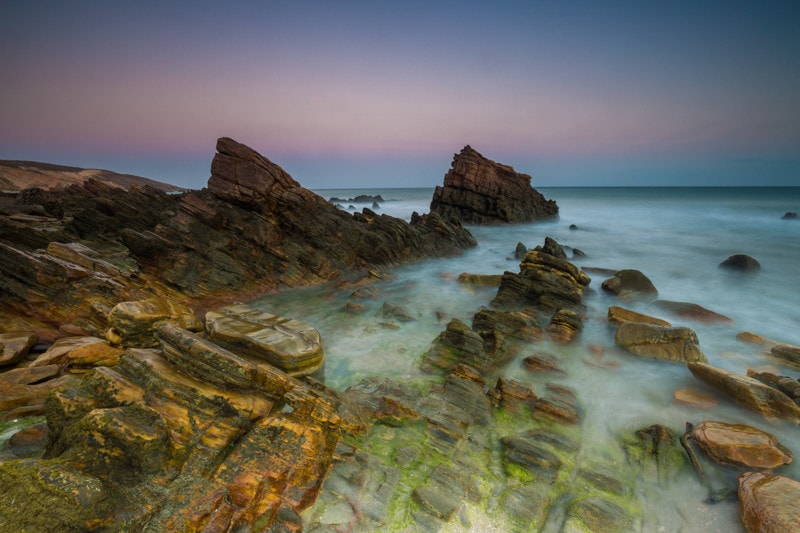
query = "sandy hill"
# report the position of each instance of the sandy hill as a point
(18, 175)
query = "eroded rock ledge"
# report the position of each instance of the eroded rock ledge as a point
(477, 190)
(253, 229)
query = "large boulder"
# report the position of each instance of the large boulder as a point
(286, 343)
(659, 342)
(771, 403)
(740, 445)
(769, 503)
(477, 190)
(15, 346)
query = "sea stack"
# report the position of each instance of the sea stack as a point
(478, 190)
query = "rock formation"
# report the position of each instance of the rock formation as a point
(252, 230)
(659, 342)
(477, 190)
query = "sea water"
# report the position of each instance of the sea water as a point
(676, 236)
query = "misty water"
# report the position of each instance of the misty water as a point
(675, 236)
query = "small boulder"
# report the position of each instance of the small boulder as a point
(769, 503)
(741, 262)
(787, 353)
(740, 445)
(135, 322)
(659, 342)
(520, 251)
(631, 285)
(790, 215)
(694, 398)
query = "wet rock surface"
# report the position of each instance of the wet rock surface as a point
(253, 229)
(769, 503)
(631, 285)
(659, 342)
(740, 445)
(477, 190)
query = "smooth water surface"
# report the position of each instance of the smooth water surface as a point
(675, 236)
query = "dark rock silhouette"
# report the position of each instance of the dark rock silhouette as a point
(477, 190)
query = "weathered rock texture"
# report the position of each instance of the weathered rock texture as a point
(740, 445)
(770, 402)
(252, 230)
(477, 190)
(190, 437)
(659, 342)
(769, 503)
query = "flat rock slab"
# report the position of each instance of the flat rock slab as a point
(771, 403)
(59, 352)
(135, 322)
(619, 315)
(286, 343)
(769, 503)
(692, 312)
(740, 445)
(15, 346)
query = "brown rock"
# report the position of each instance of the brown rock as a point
(91, 355)
(787, 353)
(58, 353)
(477, 190)
(619, 315)
(631, 285)
(769, 503)
(541, 362)
(565, 325)
(286, 343)
(771, 403)
(135, 322)
(30, 375)
(480, 280)
(694, 398)
(790, 387)
(752, 338)
(29, 400)
(692, 311)
(15, 346)
(741, 262)
(511, 394)
(740, 445)
(658, 342)
(30, 441)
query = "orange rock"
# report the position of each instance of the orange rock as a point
(769, 503)
(741, 445)
(694, 398)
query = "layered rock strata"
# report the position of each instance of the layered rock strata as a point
(253, 229)
(189, 436)
(477, 190)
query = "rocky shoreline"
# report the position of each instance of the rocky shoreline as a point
(168, 409)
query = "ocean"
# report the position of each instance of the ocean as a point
(676, 236)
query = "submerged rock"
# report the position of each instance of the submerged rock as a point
(769, 503)
(691, 311)
(740, 445)
(477, 190)
(659, 342)
(741, 262)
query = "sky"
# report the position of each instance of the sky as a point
(382, 94)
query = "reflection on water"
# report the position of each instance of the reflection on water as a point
(677, 237)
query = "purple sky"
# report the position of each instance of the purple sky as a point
(374, 94)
